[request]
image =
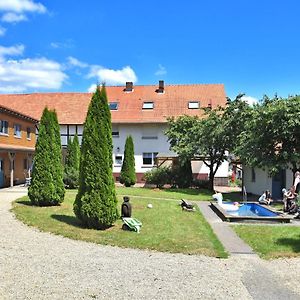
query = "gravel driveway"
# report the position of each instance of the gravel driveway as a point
(36, 265)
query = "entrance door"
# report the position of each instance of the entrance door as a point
(278, 183)
(1, 173)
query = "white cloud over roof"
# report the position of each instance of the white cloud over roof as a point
(20, 75)
(113, 77)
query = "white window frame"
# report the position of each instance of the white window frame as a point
(194, 105)
(117, 160)
(113, 103)
(17, 130)
(3, 129)
(152, 156)
(148, 105)
(28, 133)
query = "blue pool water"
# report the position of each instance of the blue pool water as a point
(252, 210)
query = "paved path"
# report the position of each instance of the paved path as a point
(37, 265)
(231, 242)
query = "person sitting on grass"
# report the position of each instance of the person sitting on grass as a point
(265, 198)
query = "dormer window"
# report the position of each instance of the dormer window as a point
(194, 104)
(113, 105)
(148, 105)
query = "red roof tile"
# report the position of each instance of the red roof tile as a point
(71, 108)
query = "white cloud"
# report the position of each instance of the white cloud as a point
(29, 73)
(67, 44)
(250, 100)
(113, 77)
(11, 51)
(92, 88)
(13, 17)
(2, 31)
(161, 70)
(20, 6)
(74, 62)
(14, 10)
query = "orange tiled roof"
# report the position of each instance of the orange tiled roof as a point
(71, 108)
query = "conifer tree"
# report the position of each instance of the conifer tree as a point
(71, 176)
(127, 176)
(47, 187)
(96, 203)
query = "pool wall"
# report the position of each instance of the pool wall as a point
(225, 216)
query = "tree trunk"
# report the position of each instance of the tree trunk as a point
(211, 178)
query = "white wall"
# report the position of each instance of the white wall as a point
(262, 181)
(146, 138)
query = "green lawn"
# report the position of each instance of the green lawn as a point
(271, 241)
(165, 227)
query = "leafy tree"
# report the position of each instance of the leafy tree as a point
(127, 176)
(182, 174)
(96, 203)
(72, 161)
(210, 137)
(271, 139)
(47, 187)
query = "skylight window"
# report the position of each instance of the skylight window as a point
(148, 105)
(113, 105)
(194, 104)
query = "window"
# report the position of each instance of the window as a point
(118, 159)
(148, 158)
(28, 133)
(194, 105)
(3, 127)
(17, 130)
(115, 131)
(25, 164)
(113, 105)
(148, 105)
(253, 175)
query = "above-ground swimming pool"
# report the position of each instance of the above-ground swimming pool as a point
(247, 211)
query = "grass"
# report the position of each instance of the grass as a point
(271, 241)
(165, 227)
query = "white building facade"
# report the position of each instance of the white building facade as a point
(139, 111)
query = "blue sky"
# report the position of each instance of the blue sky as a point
(250, 46)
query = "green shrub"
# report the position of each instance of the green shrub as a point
(182, 174)
(71, 175)
(158, 176)
(96, 203)
(47, 187)
(127, 176)
(200, 183)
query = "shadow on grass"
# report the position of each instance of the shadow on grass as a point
(188, 191)
(25, 202)
(70, 220)
(291, 242)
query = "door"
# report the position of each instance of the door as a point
(278, 183)
(1, 173)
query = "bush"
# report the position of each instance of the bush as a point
(158, 176)
(127, 176)
(182, 174)
(71, 175)
(96, 202)
(200, 183)
(47, 187)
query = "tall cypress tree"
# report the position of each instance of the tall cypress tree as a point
(47, 186)
(127, 176)
(71, 176)
(96, 203)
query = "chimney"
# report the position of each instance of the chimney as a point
(161, 86)
(129, 86)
